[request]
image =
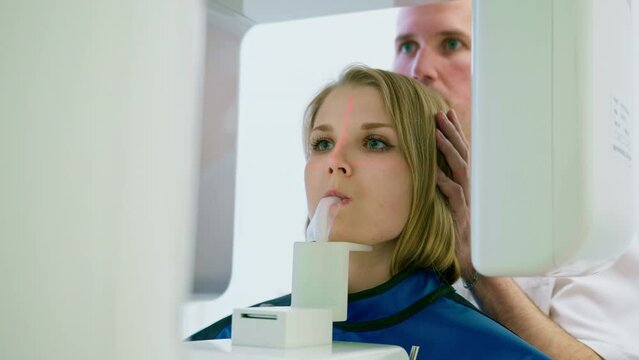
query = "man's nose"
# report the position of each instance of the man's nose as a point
(424, 69)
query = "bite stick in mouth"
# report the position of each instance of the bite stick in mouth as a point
(320, 226)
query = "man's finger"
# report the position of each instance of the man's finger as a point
(457, 164)
(452, 116)
(453, 191)
(452, 134)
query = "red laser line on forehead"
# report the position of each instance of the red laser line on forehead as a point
(345, 118)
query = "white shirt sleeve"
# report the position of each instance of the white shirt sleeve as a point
(602, 310)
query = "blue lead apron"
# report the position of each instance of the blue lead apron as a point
(441, 322)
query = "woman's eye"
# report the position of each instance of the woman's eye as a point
(452, 44)
(322, 145)
(376, 145)
(407, 47)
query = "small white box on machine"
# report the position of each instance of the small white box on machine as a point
(282, 327)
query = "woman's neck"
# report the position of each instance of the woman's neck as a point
(368, 269)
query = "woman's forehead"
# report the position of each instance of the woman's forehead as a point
(352, 105)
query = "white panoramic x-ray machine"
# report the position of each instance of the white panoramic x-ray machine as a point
(99, 152)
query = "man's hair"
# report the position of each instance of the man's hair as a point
(428, 237)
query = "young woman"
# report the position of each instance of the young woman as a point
(370, 140)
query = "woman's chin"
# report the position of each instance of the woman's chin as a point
(338, 238)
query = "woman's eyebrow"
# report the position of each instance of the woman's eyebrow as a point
(323, 127)
(366, 126)
(369, 126)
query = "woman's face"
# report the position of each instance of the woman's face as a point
(355, 155)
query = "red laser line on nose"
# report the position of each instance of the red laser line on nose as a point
(345, 118)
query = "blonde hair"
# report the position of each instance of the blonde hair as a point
(428, 238)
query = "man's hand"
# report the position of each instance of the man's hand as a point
(500, 297)
(453, 144)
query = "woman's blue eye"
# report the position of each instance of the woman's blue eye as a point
(376, 145)
(322, 145)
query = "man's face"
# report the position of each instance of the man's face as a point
(433, 46)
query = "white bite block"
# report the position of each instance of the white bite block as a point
(320, 275)
(282, 327)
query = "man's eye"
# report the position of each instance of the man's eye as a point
(452, 44)
(321, 145)
(407, 47)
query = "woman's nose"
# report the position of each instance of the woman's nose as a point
(344, 170)
(337, 163)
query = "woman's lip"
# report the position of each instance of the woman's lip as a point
(342, 200)
(335, 193)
